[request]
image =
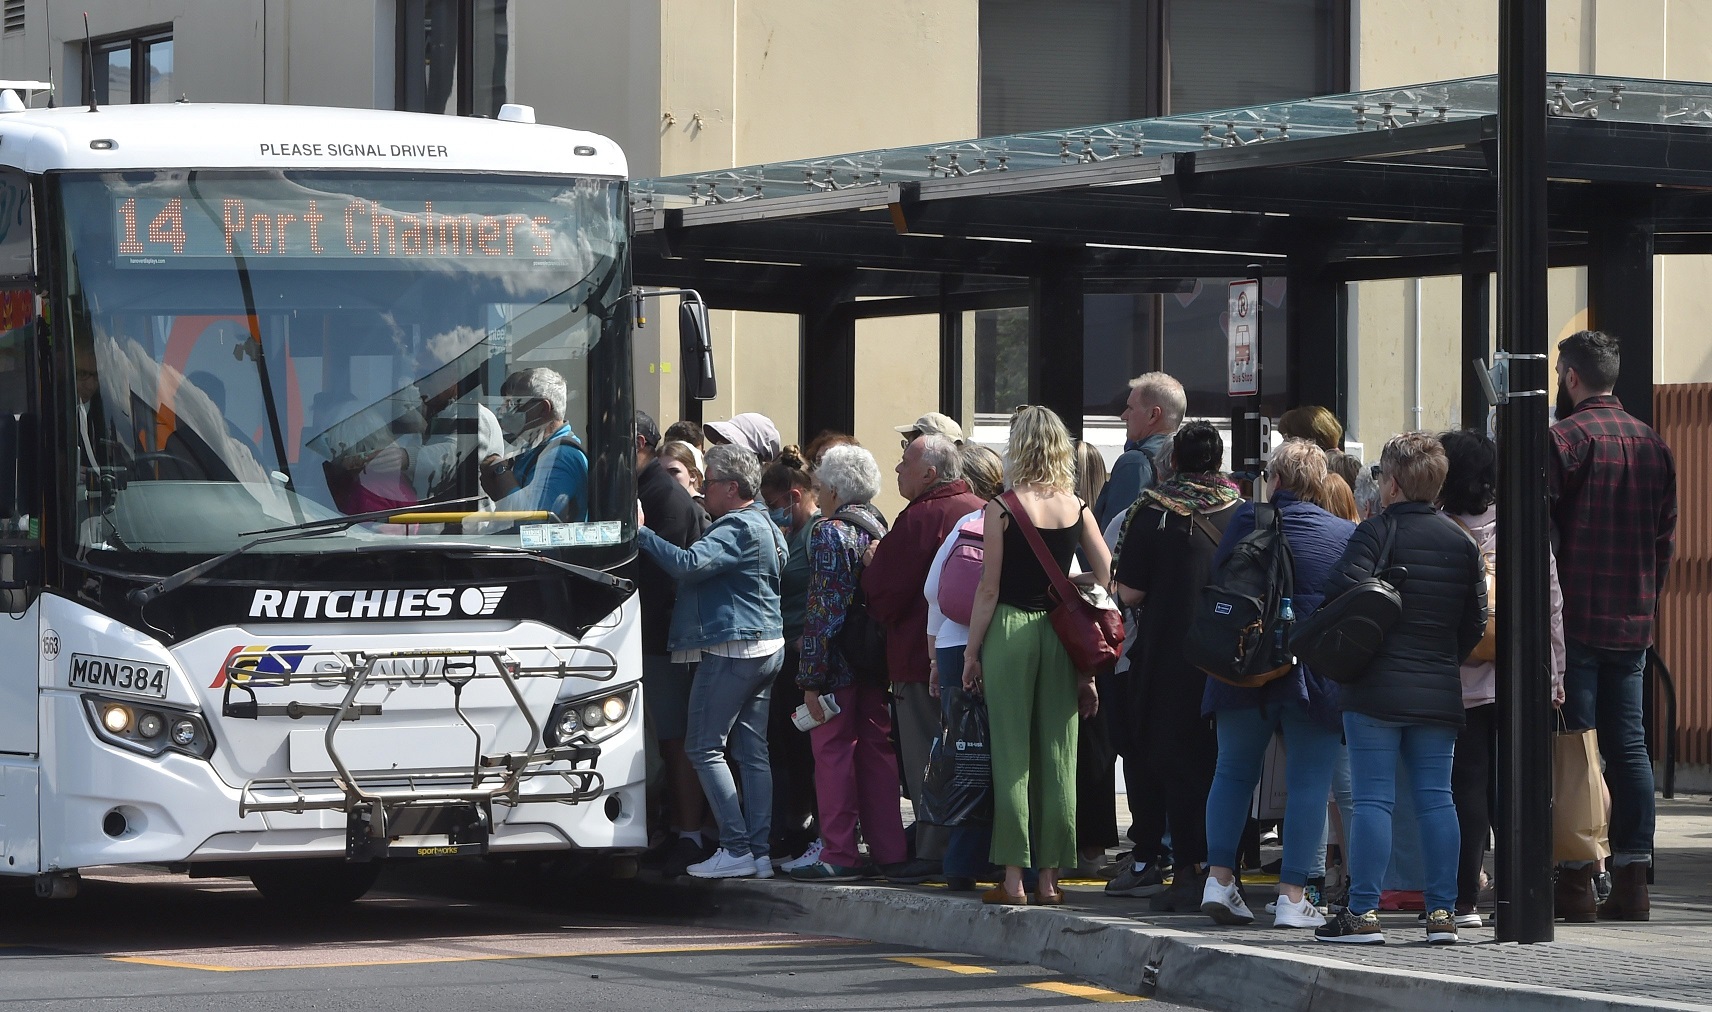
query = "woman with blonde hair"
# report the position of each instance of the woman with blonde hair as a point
(1034, 694)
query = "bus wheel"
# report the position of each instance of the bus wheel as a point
(313, 884)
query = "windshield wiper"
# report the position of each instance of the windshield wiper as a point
(141, 597)
(618, 583)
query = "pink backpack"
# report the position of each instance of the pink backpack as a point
(962, 572)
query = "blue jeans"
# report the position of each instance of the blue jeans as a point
(728, 706)
(1346, 810)
(1602, 689)
(967, 846)
(1374, 748)
(1310, 753)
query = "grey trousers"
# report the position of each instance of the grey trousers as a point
(918, 724)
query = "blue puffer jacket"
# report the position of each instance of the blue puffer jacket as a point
(728, 582)
(1317, 540)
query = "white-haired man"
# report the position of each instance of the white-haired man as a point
(930, 476)
(1152, 414)
(548, 469)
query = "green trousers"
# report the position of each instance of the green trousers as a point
(1031, 706)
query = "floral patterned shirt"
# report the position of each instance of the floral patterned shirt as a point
(835, 569)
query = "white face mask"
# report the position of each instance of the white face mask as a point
(514, 422)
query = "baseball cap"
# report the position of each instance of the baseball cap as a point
(934, 423)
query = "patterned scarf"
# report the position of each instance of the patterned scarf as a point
(1188, 494)
(1183, 494)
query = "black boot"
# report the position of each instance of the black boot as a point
(1183, 895)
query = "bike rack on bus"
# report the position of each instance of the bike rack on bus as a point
(456, 800)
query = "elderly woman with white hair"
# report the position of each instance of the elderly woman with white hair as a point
(1302, 706)
(727, 616)
(855, 769)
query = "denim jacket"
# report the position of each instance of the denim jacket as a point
(728, 582)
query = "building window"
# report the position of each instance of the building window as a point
(454, 56)
(134, 68)
(1075, 63)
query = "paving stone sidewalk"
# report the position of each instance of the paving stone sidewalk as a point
(1666, 959)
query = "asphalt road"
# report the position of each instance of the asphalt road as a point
(464, 936)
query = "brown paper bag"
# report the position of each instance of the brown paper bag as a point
(1578, 804)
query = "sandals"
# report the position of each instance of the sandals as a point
(997, 896)
(1049, 898)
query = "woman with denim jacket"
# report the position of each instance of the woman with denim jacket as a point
(727, 616)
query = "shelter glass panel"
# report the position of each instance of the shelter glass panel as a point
(1196, 351)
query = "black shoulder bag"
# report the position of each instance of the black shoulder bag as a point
(1340, 639)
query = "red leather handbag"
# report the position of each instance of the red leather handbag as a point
(1086, 619)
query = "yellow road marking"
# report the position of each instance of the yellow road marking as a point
(1087, 991)
(929, 963)
(212, 968)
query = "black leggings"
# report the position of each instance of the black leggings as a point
(1471, 789)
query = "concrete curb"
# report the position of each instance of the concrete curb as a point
(1125, 955)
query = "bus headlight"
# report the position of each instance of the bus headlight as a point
(148, 728)
(592, 717)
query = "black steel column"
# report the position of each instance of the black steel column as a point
(1316, 320)
(1524, 857)
(1476, 326)
(1620, 290)
(950, 355)
(827, 359)
(1055, 315)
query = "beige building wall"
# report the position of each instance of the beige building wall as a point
(749, 81)
(1459, 38)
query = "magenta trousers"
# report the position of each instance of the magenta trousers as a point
(856, 779)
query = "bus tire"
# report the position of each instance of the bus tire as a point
(314, 884)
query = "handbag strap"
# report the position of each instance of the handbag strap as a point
(1383, 562)
(1206, 528)
(1060, 583)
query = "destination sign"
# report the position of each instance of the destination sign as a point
(212, 230)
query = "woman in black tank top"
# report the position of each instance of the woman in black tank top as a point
(1034, 694)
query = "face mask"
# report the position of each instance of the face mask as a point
(782, 517)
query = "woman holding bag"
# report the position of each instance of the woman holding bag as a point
(1015, 658)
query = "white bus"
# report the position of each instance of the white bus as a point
(287, 595)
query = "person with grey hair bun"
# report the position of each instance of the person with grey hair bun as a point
(728, 618)
(855, 769)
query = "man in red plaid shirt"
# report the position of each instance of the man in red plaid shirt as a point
(1614, 507)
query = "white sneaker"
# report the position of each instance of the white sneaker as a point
(809, 856)
(1296, 915)
(724, 864)
(1223, 903)
(1469, 920)
(763, 867)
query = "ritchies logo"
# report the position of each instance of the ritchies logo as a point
(414, 602)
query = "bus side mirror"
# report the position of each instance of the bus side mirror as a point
(695, 350)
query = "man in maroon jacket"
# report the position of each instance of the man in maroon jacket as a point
(930, 477)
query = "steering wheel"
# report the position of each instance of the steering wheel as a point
(184, 466)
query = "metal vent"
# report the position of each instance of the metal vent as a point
(14, 17)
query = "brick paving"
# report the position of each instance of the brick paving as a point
(1666, 959)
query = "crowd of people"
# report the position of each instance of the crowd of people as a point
(776, 596)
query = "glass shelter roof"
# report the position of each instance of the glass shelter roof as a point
(1608, 99)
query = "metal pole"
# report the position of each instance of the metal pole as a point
(1524, 858)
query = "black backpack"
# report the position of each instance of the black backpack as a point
(1340, 639)
(1241, 630)
(861, 640)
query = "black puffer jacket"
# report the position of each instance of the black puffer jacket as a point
(1415, 678)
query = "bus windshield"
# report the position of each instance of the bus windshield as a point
(257, 349)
